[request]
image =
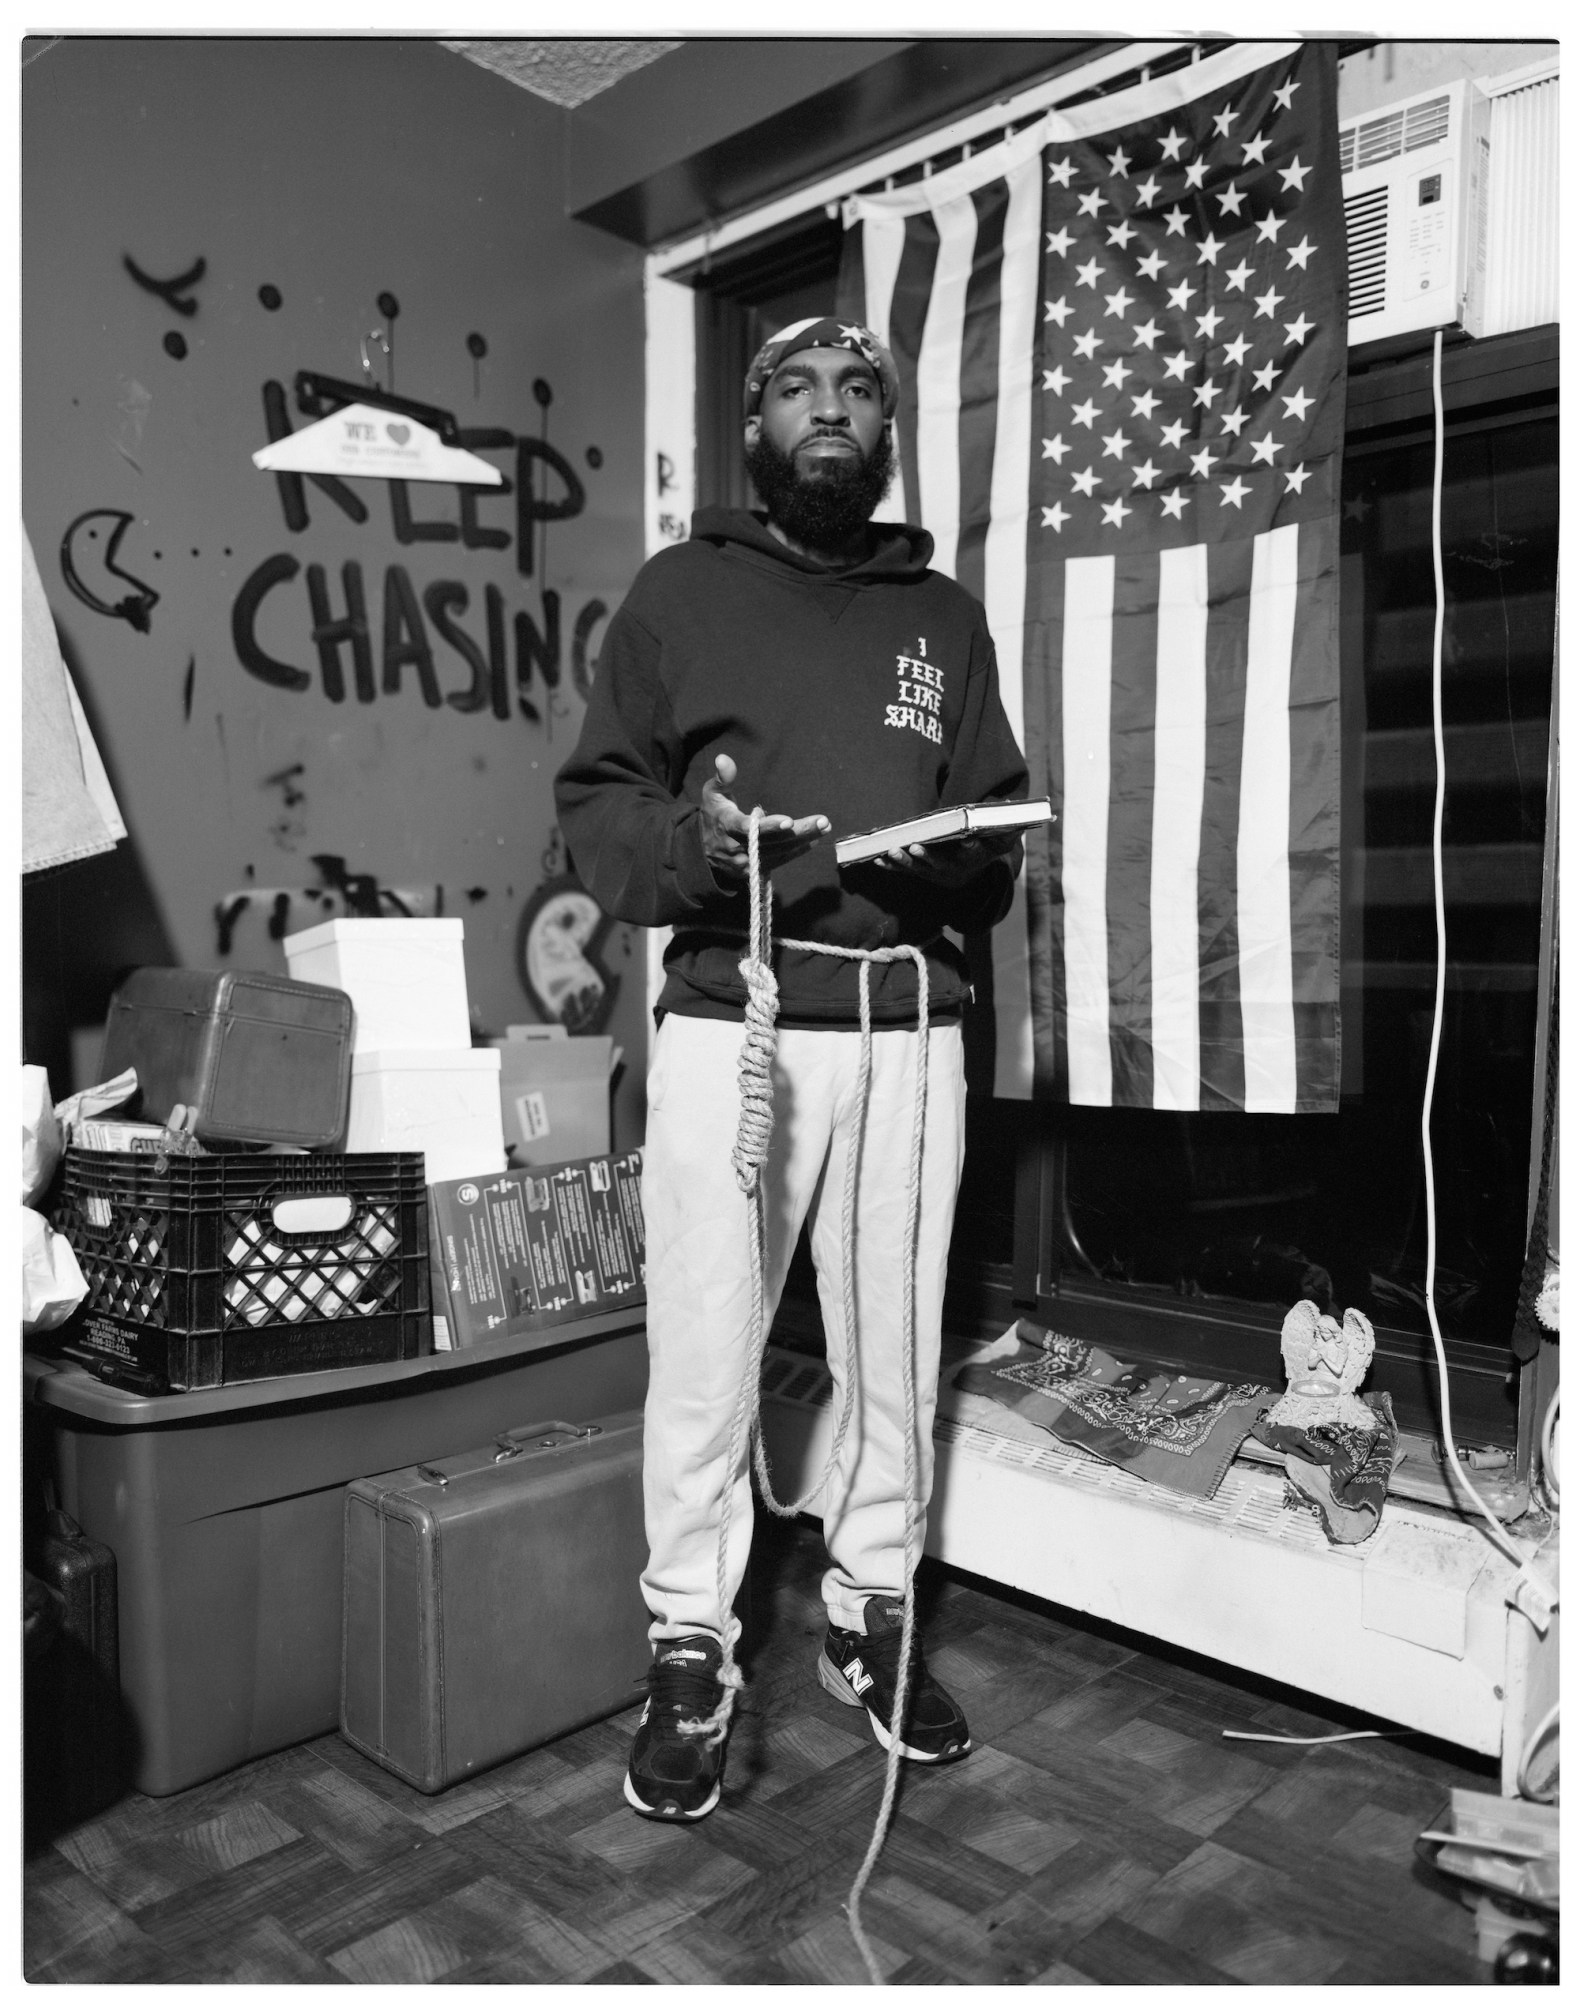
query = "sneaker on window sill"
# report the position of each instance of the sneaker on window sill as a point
(676, 1773)
(862, 1670)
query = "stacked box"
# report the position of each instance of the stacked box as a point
(530, 1249)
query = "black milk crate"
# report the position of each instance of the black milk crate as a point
(201, 1272)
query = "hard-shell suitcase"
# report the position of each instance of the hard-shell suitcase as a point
(77, 1741)
(491, 1599)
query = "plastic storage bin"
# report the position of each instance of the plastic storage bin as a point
(225, 1513)
(443, 1103)
(236, 1267)
(258, 1058)
(406, 977)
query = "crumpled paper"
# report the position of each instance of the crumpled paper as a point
(52, 1282)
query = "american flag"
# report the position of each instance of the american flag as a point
(1121, 341)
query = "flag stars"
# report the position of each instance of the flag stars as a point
(1231, 201)
(1223, 121)
(1062, 171)
(1151, 265)
(1147, 334)
(1267, 229)
(1195, 173)
(1144, 405)
(1205, 392)
(1055, 448)
(1235, 420)
(1057, 310)
(1181, 296)
(1119, 163)
(1114, 512)
(1302, 252)
(1236, 351)
(1296, 406)
(1295, 330)
(1115, 445)
(1118, 303)
(1296, 477)
(1115, 374)
(1263, 378)
(1172, 142)
(1294, 175)
(1121, 234)
(1145, 474)
(1085, 413)
(1207, 250)
(1208, 323)
(1086, 274)
(1174, 434)
(1267, 303)
(1084, 482)
(1175, 222)
(1175, 503)
(1055, 381)
(1236, 279)
(1232, 494)
(1175, 367)
(1055, 516)
(1090, 203)
(1284, 97)
(1059, 241)
(1263, 450)
(1254, 151)
(1086, 345)
(1147, 192)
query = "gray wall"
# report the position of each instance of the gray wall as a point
(333, 172)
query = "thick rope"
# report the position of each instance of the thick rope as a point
(749, 1156)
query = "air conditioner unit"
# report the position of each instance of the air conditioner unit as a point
(1415, 213)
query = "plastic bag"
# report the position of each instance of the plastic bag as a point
(41, 1140)
(52, 1282)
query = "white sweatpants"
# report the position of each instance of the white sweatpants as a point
(699, 1293)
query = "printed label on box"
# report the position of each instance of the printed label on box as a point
(535, 1245)
(533, 1114)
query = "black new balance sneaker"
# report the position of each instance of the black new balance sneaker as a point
(675, 1773)
(862, 1669)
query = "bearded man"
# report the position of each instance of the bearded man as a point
(807, 662)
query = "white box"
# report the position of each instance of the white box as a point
(406, 977)
(443, 1103)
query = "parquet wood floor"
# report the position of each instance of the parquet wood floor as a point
(1102, 1833)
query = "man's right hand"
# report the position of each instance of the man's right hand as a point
(725, 826)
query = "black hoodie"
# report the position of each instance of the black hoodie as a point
(868, 694)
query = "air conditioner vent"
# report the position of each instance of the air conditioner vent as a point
(1366, 234)
(1426, 124)
(1379, 139)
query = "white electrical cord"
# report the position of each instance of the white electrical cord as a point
(1534, 1595)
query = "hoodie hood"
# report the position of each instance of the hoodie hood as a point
(895, 551)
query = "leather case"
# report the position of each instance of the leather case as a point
(492, 1599)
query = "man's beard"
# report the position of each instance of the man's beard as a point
(823, 503)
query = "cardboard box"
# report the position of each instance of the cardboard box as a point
(554, 1094)
(406, 977)
(442, 1103)
(536, 1247)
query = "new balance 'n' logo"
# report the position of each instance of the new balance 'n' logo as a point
(858, 1676)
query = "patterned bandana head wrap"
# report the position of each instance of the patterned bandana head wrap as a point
(830, 332)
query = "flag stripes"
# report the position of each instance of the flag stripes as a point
(1170, 667)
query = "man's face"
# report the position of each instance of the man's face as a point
(823, 406)
(819, 451)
